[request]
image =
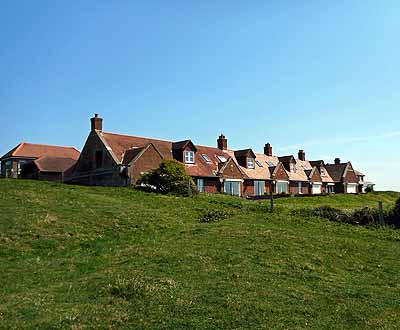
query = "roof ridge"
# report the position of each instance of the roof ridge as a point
(19, 146)
(141, 137)
(48, 145)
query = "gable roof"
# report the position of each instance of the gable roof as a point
(132, 155)
(286, 159)
(118, 144)
(325, 176)
(54, 164)
(183, 144)
(33, 151)
(337, 171)
(244, 153)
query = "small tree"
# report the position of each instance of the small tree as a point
(369, 189)
(169, 177)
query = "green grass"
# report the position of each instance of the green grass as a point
(114, 258)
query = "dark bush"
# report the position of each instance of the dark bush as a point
(331, 214)
(393, 218)
(169, 177)
(365, 217)
(213, 216)
(369, 189)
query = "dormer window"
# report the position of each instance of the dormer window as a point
(189, 157)
(250, 163)
(322, 170)
(292, 168)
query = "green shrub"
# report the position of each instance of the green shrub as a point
(393, 218)
(369, 189)
(331, 214)
(213, 215)
(169, 177)
(365, 217)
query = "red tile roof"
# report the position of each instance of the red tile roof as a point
(54, 164)
(30, 150)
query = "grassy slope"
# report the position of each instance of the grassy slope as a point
(83, 258)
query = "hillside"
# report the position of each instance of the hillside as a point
(114, 258)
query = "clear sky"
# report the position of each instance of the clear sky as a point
(318, 75)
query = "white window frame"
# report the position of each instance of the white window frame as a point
(331, 188)
(319, 184)
(287, 187)
(188, 156)
(259, 188)
(250, 163)
(300, 187)
(352, 185)
(292, 168)
(200, 184)
(233, 180)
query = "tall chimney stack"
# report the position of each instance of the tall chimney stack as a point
(302, 155)
(97, 123)
(268, 150)
(337, 161)
(222, 142)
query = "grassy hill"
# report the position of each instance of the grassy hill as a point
(114, 258)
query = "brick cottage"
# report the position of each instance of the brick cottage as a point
(111, 159)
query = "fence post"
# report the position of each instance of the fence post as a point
(271, 198)
(381, 218)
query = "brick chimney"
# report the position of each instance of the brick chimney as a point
(222, 142)
(268, 150)
(337, 161)
(97, 122)
(302, 155)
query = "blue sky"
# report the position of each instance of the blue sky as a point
(323, 76)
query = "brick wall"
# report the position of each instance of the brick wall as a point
(87, 173)
(149, 160)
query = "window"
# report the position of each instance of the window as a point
(21, 164)
(8, 164)
(259, 163)
(250, 162)
(232, 188)
(282, 187)
(316, 188)
(259, 188)
(6, 168)
(322, 171)
(270, 164)
(99, 158)
(299, 187)
(189, 157)
(206, 158)
(351, 188)
(200, 185)
(221, 158)
(331, 188)
(292, 168)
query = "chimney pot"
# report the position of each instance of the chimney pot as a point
(222, 142)
(302, 155)
(337, 161)
(268, 150)
(96, 123)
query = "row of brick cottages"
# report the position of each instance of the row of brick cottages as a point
(118, 160)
